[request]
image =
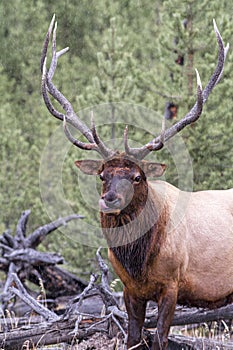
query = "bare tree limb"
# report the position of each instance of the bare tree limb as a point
(192, 316)
(21, 292)
(8, 239)
(36, 237)
(49, 333)
(104, 287)
(21, 227)
(69, 328)
(77, 301)
(33, 257)
(180, 342)
(19, 255)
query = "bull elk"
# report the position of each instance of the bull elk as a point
(161, 250)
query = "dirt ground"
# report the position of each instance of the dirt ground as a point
(101, 342)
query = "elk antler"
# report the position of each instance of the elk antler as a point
(70, 116)
(202, 96)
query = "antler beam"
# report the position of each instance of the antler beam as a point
(94, 142)
(47, 86)
(202, 96)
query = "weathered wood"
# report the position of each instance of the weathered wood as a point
(90, 321)
(19, 255)
(192, 316)
(51, 333)
(8, 239)
(62, 331)
(84, 316)
(36, 237)
(104, 288)
(33, 257)
(93, 304)
(74, 307)
(180, 342)
(21, 292)
(21, 228)
(73, 325)
(56, 281)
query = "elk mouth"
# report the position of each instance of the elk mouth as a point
(113, 208)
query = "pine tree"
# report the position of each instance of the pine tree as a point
(134, 64)
(186, 42)
(116, 82)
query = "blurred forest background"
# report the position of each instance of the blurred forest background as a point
(134, 51)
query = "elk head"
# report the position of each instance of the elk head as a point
(124, 181)
(123, 174)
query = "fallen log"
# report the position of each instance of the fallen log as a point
(57, 281)
(93, 305)
(62, 331)
(96, 309)
(72, 327)
(51, 333)
(185, 316)
(19, 255)
(180, 342)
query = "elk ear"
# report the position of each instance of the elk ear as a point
(90, 167)
(153, 169)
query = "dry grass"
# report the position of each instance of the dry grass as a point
(219, 332)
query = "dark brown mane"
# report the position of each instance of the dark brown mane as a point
(132, 234)
(133, 255)
(155, 256)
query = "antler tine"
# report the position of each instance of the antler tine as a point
(141, 152)
(222, 53)
(158, 143)
(56, 54)
(46, 43)
(126, 145)
(103, 150)
(76, 142)
(196, 110)
(45, 95)
(70, 116)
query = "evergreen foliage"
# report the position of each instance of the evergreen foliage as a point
(125, 52)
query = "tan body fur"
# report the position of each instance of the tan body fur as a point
(165, 244)
(197, 249)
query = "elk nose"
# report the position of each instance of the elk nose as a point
(110, 196)
(112, 200)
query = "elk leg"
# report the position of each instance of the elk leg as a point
(136, 309)
(166, 308)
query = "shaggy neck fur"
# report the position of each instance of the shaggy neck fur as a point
(134, 234)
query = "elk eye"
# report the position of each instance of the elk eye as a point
(101, 177)
(138, 178)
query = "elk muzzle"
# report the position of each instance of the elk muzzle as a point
(117, 198)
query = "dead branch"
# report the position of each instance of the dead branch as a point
(21, 292)
(180, 342)
(36, 237)
(33, 257)
(49, 333)
(77, 301)
(63, 330)
(96, 309)
(19, 255)
(104, 287)
(21, 228)
(74, 325)
(186, 316)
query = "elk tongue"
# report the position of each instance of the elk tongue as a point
(105, 209)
